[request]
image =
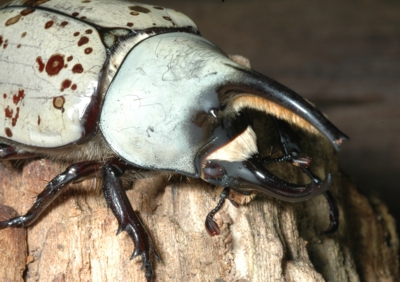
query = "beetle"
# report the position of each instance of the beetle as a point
(107, 87)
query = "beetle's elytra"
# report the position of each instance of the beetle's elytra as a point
(108, 87)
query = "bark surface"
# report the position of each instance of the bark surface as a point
(265, 240)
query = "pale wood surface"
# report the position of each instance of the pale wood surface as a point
(13, 249)
(266, 240)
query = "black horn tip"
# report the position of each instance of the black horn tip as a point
(324, 185)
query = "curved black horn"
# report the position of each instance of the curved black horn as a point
(257, 84)
(250, 175)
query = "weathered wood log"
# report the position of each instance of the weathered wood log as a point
(13, 249)
(265, 240)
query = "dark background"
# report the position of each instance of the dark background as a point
(342, 55)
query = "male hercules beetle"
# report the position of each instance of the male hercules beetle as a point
(118, 86)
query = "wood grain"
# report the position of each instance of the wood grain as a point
(265, 240)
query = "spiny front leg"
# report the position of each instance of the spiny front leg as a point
(128, 220)
(211, 226)
(333, 207)
(50, 193)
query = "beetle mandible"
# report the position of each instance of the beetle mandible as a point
(107, 87)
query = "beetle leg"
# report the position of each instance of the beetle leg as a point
(211, 226)
(128, 220)
(9, 153)
(333, 214)
(290, 142)
(50, 193)
(333, 208)
(226, 194)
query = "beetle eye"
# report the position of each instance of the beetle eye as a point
(213, 170)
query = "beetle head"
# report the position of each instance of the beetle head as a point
(232, 159)
(174, 105)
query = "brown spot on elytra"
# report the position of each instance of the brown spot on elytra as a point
(23, 34)
(5, 44)
(83, 41)
(4, 95)
(1, 40)
(19, 46)
(48, 24)
(89, 31)
(139, 9)
(76, 33)
(40, 63)
(167, 18)
(88, 50)
(75, 14)
(27, 11)
(134, 13)
(77, 68)
(73, 87)
(65, 84)
(13, 20)
(15, 118)
(83, 18)
(55, 64)
(63, 23)
(8, 132)
(58, 103)
(38, 120)
(129, 24)
(86, 1)
(8, 112)
(65, 66)
(34, 2)
(154, 24)
(18, 97)
(158, 8)
(69, 59)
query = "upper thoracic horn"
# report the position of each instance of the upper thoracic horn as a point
(260, 92)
